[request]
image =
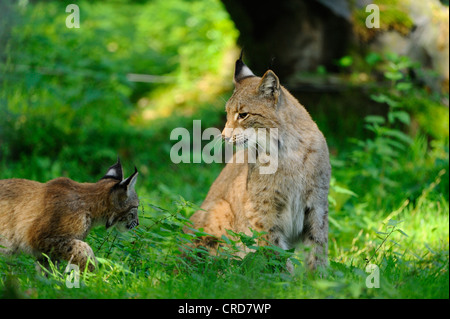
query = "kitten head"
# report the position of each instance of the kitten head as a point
(124, 202)
(253, 105)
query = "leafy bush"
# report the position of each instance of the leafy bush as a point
(65, 95)
(68, 108)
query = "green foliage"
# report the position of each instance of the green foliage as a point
(65, 92)
(67, 108)
(378, 160)
(157, 260)
(379, 154)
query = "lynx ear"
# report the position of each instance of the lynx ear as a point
(241, 71)
(269, 85)
(115, 171)
(130, 182)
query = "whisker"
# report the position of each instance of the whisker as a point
(217, 138)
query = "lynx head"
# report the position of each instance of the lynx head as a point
(123, 201)
(253, 105)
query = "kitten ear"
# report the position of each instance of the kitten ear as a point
(115, 171)
(130, 182)
(269, 85)
(241, 71)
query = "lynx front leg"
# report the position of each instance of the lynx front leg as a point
(315, 236)
(73, 250)
(80, 254)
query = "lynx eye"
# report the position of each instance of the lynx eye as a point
(242, 115)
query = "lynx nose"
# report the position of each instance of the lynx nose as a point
(227, 134)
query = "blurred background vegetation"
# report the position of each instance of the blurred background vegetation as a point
(71, 100)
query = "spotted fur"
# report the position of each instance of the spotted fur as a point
(55, 217)
(291, 205)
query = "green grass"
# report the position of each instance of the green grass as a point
(388, 200)
(409, 243)
(147, 264)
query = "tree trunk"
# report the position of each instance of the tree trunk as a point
(290, 36)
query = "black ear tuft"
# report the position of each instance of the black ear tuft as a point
(241, 71)
(130, 182)
(115, 171)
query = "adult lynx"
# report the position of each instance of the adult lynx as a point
(55, 217)
(291, 204)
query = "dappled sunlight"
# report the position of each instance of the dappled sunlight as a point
(73, 100)
(186, 97)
